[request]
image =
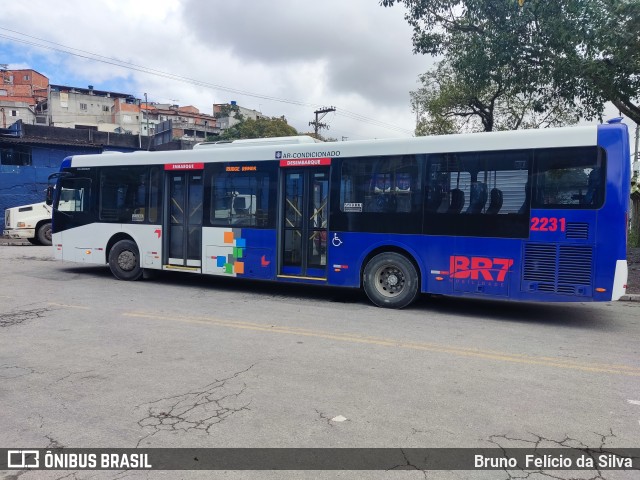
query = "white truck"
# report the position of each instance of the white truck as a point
(29, 222)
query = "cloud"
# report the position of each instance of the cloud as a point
(366, 49)
(282, 57)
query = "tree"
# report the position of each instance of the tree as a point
(227, 110)
(261, 128)
(580, 53)
(450, 101)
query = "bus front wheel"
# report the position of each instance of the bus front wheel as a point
(390, 280)
(124, 260)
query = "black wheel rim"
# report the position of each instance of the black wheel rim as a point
(127, 260)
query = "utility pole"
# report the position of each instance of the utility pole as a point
(146, 114)
(317, 125)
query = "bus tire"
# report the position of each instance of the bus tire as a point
(44, 234)
(124, 260)
(390, 280)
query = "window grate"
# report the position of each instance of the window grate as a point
(577, 231)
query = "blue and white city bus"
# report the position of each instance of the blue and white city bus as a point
(530, 215)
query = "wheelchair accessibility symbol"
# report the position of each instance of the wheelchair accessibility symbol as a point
(336, 242)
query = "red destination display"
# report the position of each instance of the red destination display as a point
(305, 162)
(184, 166)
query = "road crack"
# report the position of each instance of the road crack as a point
(198, 410)
(15, 371)
(539, 442)
(409, 465)
(16, 318)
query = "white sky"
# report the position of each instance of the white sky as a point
(354, 55)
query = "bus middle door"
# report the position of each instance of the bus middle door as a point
(183, 247)
(303, 231)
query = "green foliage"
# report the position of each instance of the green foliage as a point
(450, 101)
(562, 53)
(260, 128)
(227, 110)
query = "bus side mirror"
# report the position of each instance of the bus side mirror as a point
(49, 199)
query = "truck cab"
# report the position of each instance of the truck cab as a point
(29, 222)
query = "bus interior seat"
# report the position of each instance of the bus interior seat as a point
(457, 201)
(240, 206)
(495, 201)
(477, 197)
(527, 200)
(434, 198)
(443, 207)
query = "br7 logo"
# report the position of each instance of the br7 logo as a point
(476, 268)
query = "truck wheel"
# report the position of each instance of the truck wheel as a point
(44, 234)
(390, 280)
(124, 260)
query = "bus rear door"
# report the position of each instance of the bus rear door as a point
(304, 223)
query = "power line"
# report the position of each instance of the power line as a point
(139, 68)
(65, 49)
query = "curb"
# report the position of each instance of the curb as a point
(631, 297)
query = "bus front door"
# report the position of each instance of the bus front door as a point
(303, 244)
(184, 242)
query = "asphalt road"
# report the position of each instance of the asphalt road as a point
(185, 361)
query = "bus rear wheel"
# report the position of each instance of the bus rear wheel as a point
(124, 260)
(390, 280)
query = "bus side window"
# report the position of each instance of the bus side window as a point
(123, 194)
(381, 185)
(434, 197)
(240, 199)
(74, 195)
(478, 197)
(527, 199)
(569, 178)
(495, 201)
(594, 188)
(384, 199)
(457, 201)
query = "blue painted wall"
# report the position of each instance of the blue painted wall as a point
(21, 185)
(49, 146)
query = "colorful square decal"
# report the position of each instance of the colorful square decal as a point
(233, 246)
